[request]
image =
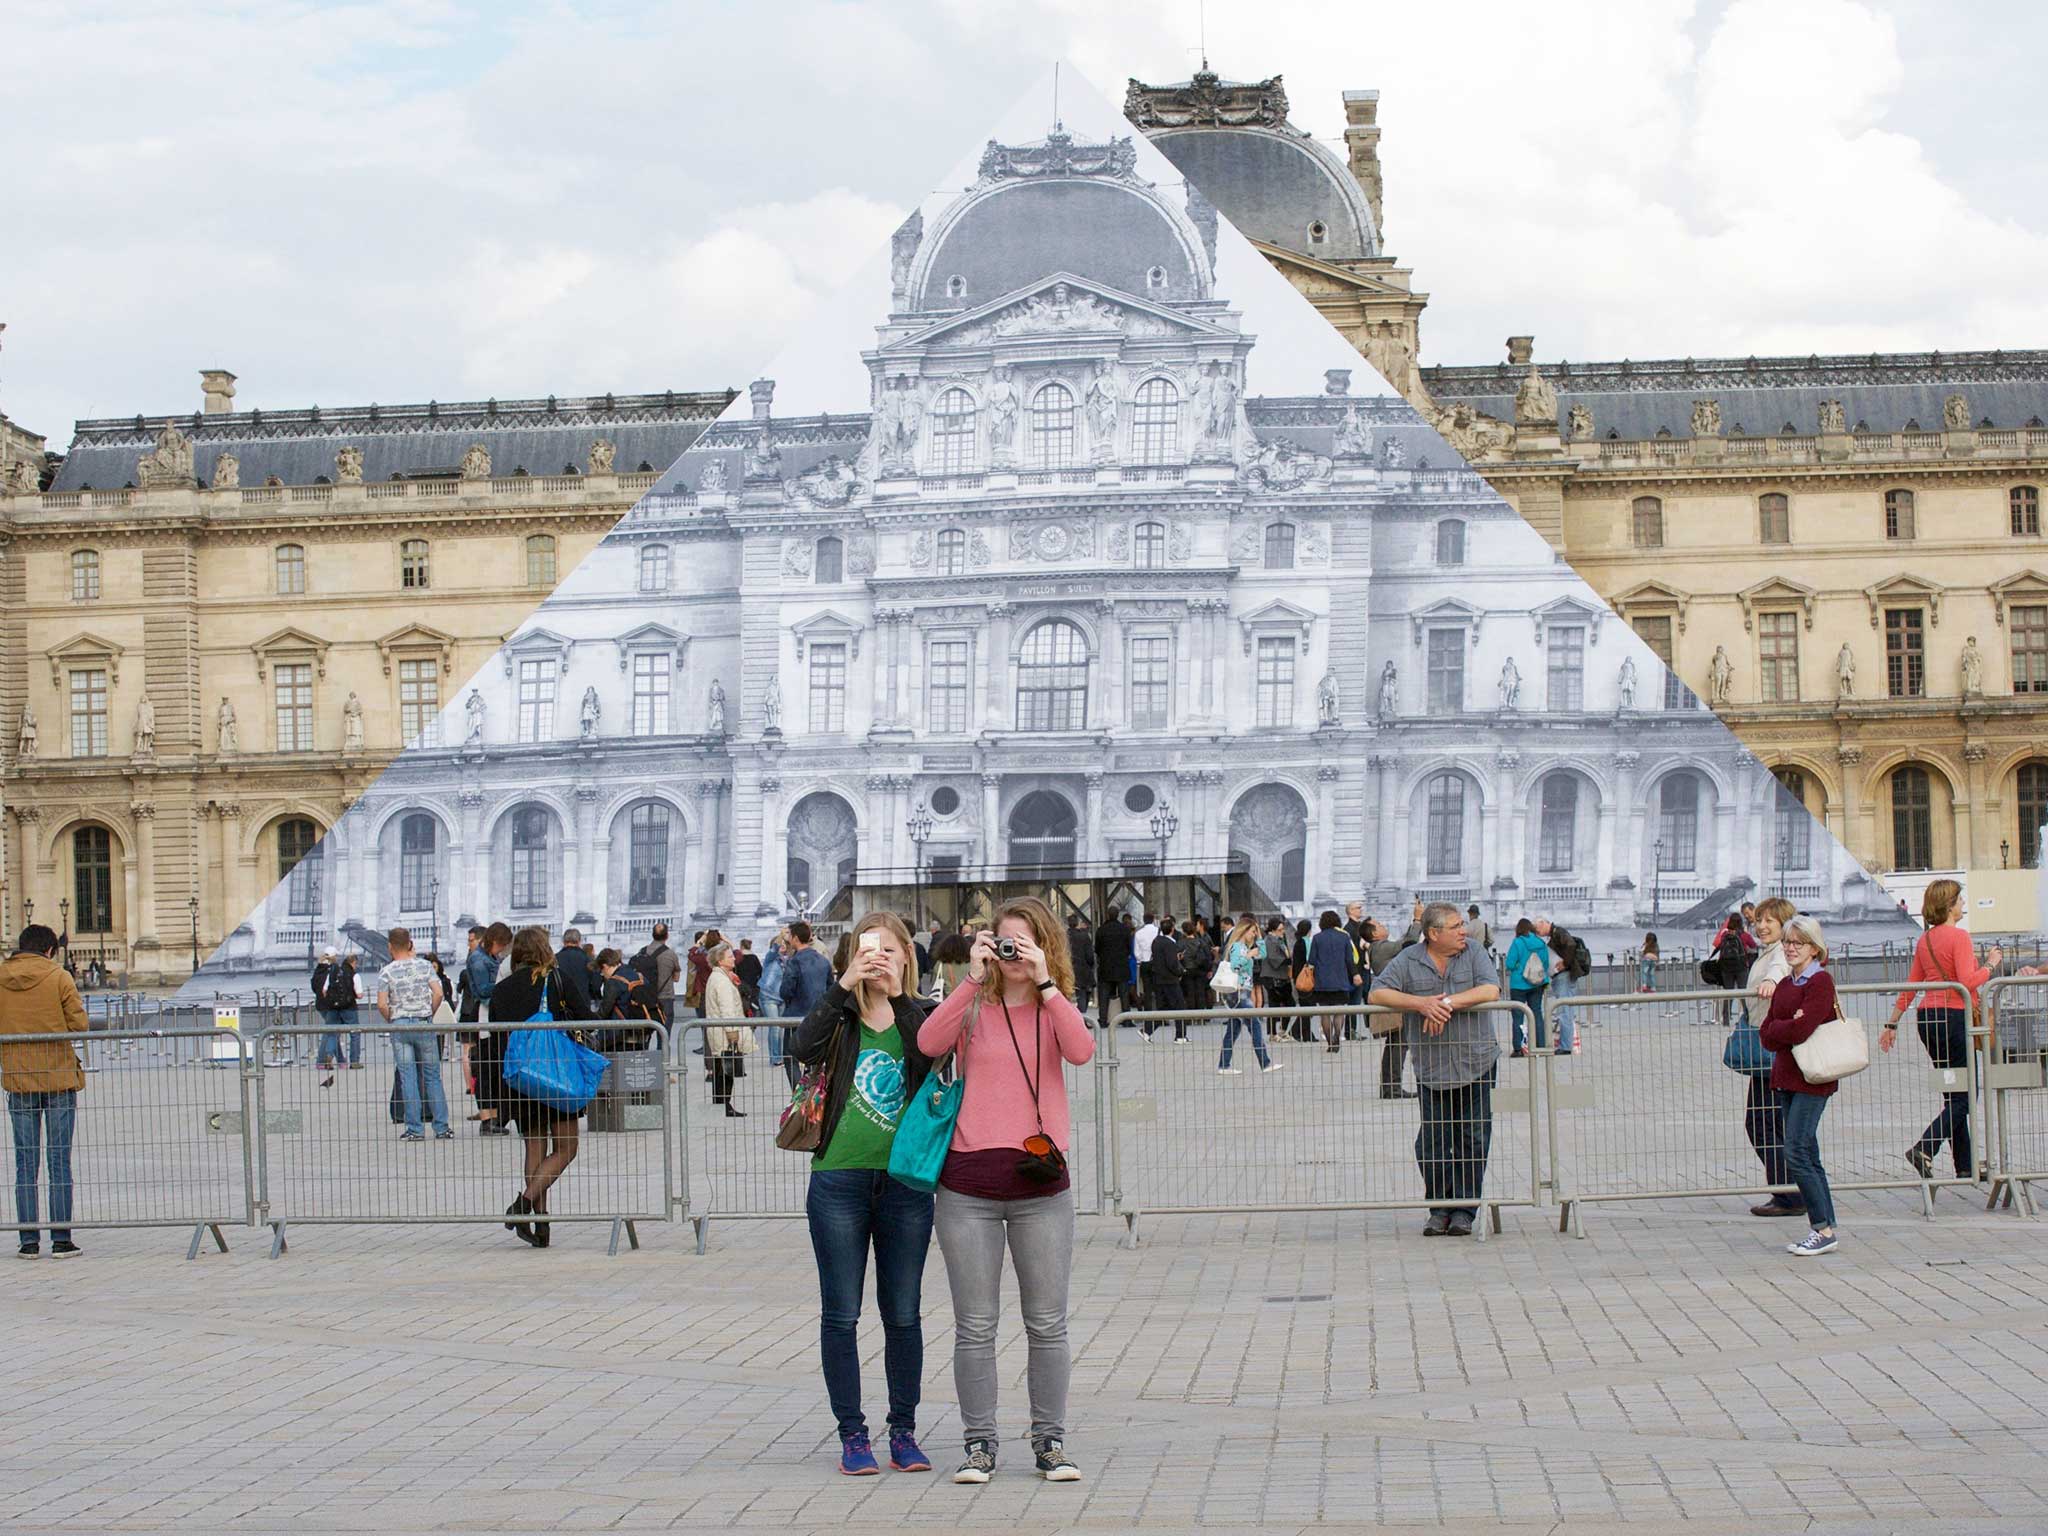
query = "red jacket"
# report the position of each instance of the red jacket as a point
(1797, 1010)
(1944, 953)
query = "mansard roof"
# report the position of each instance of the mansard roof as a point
(1879, 391)
(550, 436)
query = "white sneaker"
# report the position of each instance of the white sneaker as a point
(1813, 1245)
(1230, 1071)
(1273, 1066)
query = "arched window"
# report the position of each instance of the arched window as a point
(1052, 427)
(1558, 847)
(291, 569)
(952, 551)
(85, 575)
(1649, 522)
(2033, 802)
(1912, 818)
(1678, 821)
(417, 841)
(298, 863)
(1450, 542)
(412, 565)
(1279, 546)
(92, 880)
(1042, 834)
(1148, 545)
(1774, 518)
(1898, 514)
(1155, 423)
(654, 568)
(1792, 843)
(829, 568)
(529, 858)
(540, 560)
(1052, 678)
(2025, 501)
(952, 419)
(648, 842)
(1446, 854)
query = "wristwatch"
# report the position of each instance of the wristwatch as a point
(1046, 985)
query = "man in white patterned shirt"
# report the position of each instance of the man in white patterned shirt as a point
(408, 992)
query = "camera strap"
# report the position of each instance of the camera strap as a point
(1038, 1020)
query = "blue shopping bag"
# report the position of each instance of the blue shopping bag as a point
(924, 1132)
(551, 1069)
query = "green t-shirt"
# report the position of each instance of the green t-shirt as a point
(874, 1103)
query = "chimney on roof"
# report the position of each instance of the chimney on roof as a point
(1521, 349)
(762, 392)
(1362, 147)
(219, 387)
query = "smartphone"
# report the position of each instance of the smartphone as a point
(872, 939)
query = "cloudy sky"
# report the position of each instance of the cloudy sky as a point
(395, 201)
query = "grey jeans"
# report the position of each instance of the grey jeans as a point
(1040, 1236)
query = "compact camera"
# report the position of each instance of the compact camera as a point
(1006, 949)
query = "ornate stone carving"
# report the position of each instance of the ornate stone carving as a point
(921, 549)
(1326, 700)
(1002, 403)
(588, 715)
(1627, 682)
(227, 742)
(833, 483)
(1245, 548)
(473, 711)
(1180, 543)
(1052, 541)
(796, 557)
(24, 478)
(1354, 437)
(476, 462)
(1845, 672)
(1973, 669)
(1848, 755)
(1706, 418)
(170, 463)
(714, 710)
(763, 458)
(978, 552)
(603, 453)
(860, 557)
(1535, 402)
(1975, 752)
(145, 728)
(902, 255)
(1102, 406)
(1579, 424)
(348, 464)
(899, 417)
(712, 481)
(1208, 100)
(1283, 465)
(227, 472)
(1119, 544)
(1215, 398)
(1393, 453)
(1472, 434)
(1627, 760)
(1510, 684)
(771, 708)
(1832, 416)
(1955, 413)
(1059, 155)
(1720, 675)
(1390, 691)
(28, 737)
(352, 724)
(1315, 544)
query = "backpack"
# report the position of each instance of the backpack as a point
(338, 995)
(1580, 965)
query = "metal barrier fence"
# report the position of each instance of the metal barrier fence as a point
(731, 1167)
(155, 1138)
(2016, 1011)
(1193, 1133)
(332, 1150)
(1649, 1112)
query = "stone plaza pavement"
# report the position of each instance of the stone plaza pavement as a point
(1674, 1371)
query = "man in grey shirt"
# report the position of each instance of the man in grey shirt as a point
(1438, 983)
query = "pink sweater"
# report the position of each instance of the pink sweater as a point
(997, 1110)
(1944, 954)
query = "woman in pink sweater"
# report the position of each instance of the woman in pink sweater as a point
(1944, 953)
(1005, 1182)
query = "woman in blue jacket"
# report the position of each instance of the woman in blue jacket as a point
(1334, 959)
(1528, 957)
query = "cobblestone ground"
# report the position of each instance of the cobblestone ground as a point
(1673, 1371)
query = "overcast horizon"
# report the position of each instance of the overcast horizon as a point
(395, 202)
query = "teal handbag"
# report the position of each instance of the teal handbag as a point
(924, 1132)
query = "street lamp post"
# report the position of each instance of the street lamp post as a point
(2004, 851)
(920, 827)
(64, 925)
(1164, 825)
(434, 911)
(192, 906)
(1657, 887)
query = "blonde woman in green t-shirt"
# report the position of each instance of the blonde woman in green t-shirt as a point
(864, 1031)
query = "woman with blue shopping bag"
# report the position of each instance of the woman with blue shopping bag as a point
(863, 1067)
(550, 1077)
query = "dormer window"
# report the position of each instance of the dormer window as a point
(956, 287)
(1318, 233)
(1155, 278)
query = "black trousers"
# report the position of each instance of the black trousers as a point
(1453, 1143)
(1392, 1060)
(1166, 998)
(1764, 1123)
(1946, 1034)
(724, 1069)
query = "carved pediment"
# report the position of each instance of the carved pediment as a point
(1276, 617)
(2021, 587)
(1445, 613)
(1570, 611)
(1061, 304)
(82, 650)
(289, 644)
(416, 640)
(533, 645)
(1653, 597)
(652, 637)
(1778, 592)
(1904, 588)
(1332, 277)
(829, 627)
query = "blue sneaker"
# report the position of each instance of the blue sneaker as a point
(857, 1457)
(1813, 1245)
(904, 1454)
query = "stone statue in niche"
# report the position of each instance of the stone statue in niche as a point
(1102, 406)
(771, 708)
(603, 453)
(1215, 400)
(145, 728)
(473, 711)
(1510, 684)
(476, 462)
(227, 743)
(1845, 672)
(1627, 682)
(352, 724)
(1973, 668)
(1706, 418)
(1390, 691)
(588, 716)
(348, 464)
(1581, 424)
(1354, 437)
(25, 741)
(1326, 700)
(1955, 413)
(1002, 405)
(714, 714)
(1720, 675)
(898, 420)
(1832, 417)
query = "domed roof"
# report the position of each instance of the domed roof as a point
(1278, 186)
(1059, 207)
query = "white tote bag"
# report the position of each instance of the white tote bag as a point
(1838, 1049)
(1225, 979)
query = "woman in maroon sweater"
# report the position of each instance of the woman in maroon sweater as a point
(1801, 1003)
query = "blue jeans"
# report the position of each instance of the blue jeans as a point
(1533, 998)
(329, 1053)
(1242, 1018)
(30, 1113)
(419, 1063)
(1647, 973)
(773, 1033)
(1562, 986)
(850, 1211)
(1802, 1112)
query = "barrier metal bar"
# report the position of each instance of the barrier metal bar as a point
(156, 1134)
(330, 1150)
(732, 1168)
(2016, 1077)
(1650, 1112)
(1316, 1134)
